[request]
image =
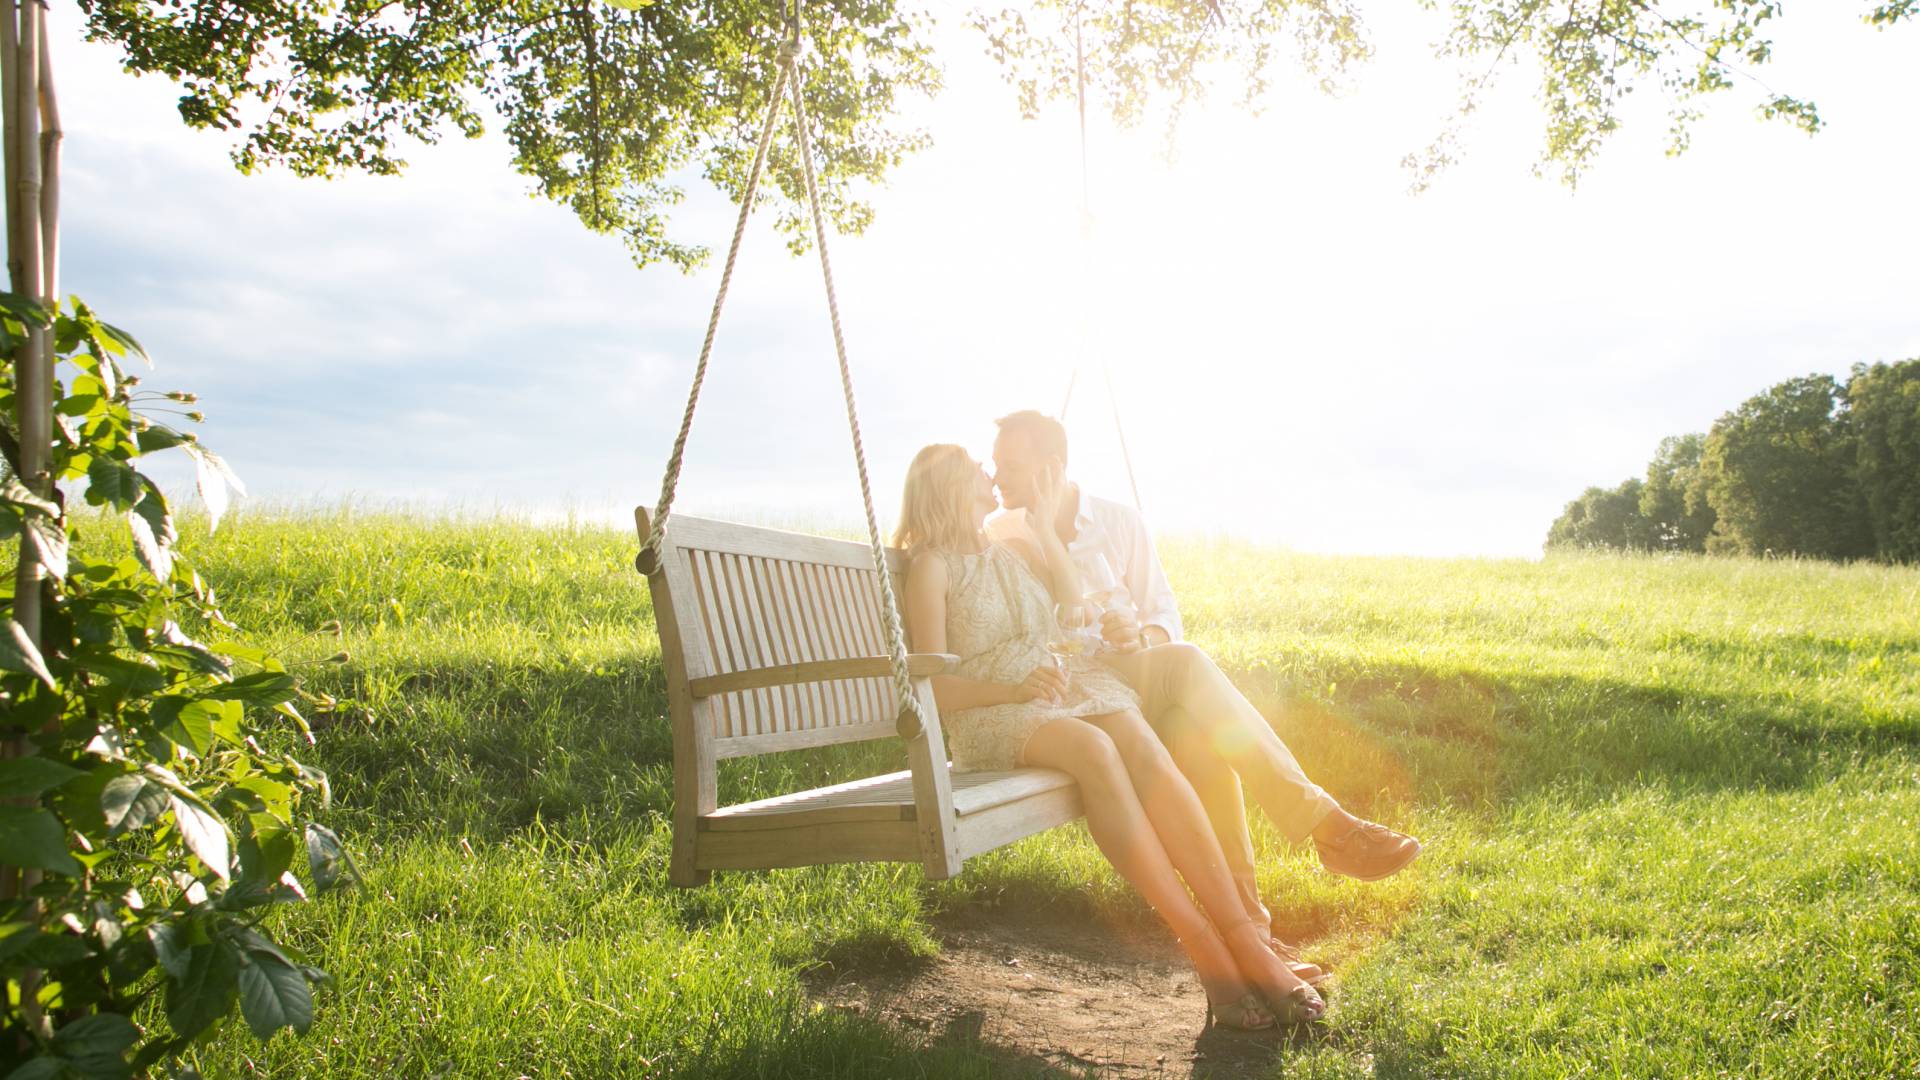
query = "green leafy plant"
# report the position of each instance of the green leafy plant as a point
(150, 825)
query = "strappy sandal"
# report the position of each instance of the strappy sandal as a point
(1248, 1013)
(1302, 1005)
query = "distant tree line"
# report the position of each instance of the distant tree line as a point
(1811, 467)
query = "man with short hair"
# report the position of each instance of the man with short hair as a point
(1215, 734)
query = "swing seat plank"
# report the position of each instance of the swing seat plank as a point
(773, 641)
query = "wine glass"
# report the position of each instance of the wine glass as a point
(1102, 591)
(1070, 634)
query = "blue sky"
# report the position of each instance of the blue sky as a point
(1302, 351)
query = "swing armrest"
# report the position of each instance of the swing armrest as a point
(919, 666)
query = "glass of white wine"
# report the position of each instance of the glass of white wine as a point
(1071, 623)
(1101, 590)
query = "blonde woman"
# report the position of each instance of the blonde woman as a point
(1008, 704)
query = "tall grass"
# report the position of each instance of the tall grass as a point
(1669, 806)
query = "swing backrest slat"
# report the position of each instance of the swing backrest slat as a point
(762, 597)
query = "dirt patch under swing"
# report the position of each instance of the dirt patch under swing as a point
(1054, 989)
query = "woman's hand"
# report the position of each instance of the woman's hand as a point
(1043, 683)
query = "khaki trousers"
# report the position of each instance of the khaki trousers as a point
(1221, 742)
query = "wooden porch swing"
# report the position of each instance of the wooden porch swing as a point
(775, 641)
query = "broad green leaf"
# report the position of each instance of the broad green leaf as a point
(18, 653)
(204, 832)
(115, 482)
(212, 476)
(115, 336)
(102, 1034)
(327, 858)
(158, 437)
(26, 309)
(147, 538)
(17, 493)
(206, 993)
(27, 777)
(195, 724)
(171, 947)
(30, 836)
(24, 945)
(49, 544)
(45, 1067)
(274, 994)
(262, 688)
(132, 802)
(79, 405)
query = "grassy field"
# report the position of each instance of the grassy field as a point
(1670, 806)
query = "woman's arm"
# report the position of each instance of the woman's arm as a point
(926, 604)
(1051, 561)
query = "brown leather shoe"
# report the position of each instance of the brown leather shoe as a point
(1368, 852)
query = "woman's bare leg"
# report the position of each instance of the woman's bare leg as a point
(1127, 838)
(1186, 835)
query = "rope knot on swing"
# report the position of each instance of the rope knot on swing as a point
(789, 81)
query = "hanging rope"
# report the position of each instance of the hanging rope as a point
(650, 551)
(791, 78)
(1086, 242)
(909, 723)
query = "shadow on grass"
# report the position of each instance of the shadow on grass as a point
(837, 1044)
(1405, 734)
(486, 750)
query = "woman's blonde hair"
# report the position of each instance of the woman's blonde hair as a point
(937, 509)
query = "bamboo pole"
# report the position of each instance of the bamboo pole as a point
(37, 159)
(51, 136)
(11, 744)
(32, 377)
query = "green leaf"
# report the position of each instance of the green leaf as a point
(26, 309)
(274, 994)
(630, 5)
(207, 991)
(27, 946)
(115, 482)
(99, 1035)
(153, 533)
(158, 437)
(27, 777)
(196, 723)
(115, 336)
(30, 836)
(49, 544)
(17, 653)
(17, 493)
(45, 1067)
(212, 476)
(327, 858)
(262, 688)
(171, 948)
(204, 832)
(132, 802)
(78, 405)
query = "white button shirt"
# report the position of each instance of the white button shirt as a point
(1117, 533)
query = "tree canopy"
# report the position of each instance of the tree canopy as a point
(1811, 467)
(609, 108)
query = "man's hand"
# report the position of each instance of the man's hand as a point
(1121, 631)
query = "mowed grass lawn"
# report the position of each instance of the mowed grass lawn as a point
(1670, 807)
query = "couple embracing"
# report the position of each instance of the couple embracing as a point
(1158, 739)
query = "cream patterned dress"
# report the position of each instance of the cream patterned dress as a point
(999, 620)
